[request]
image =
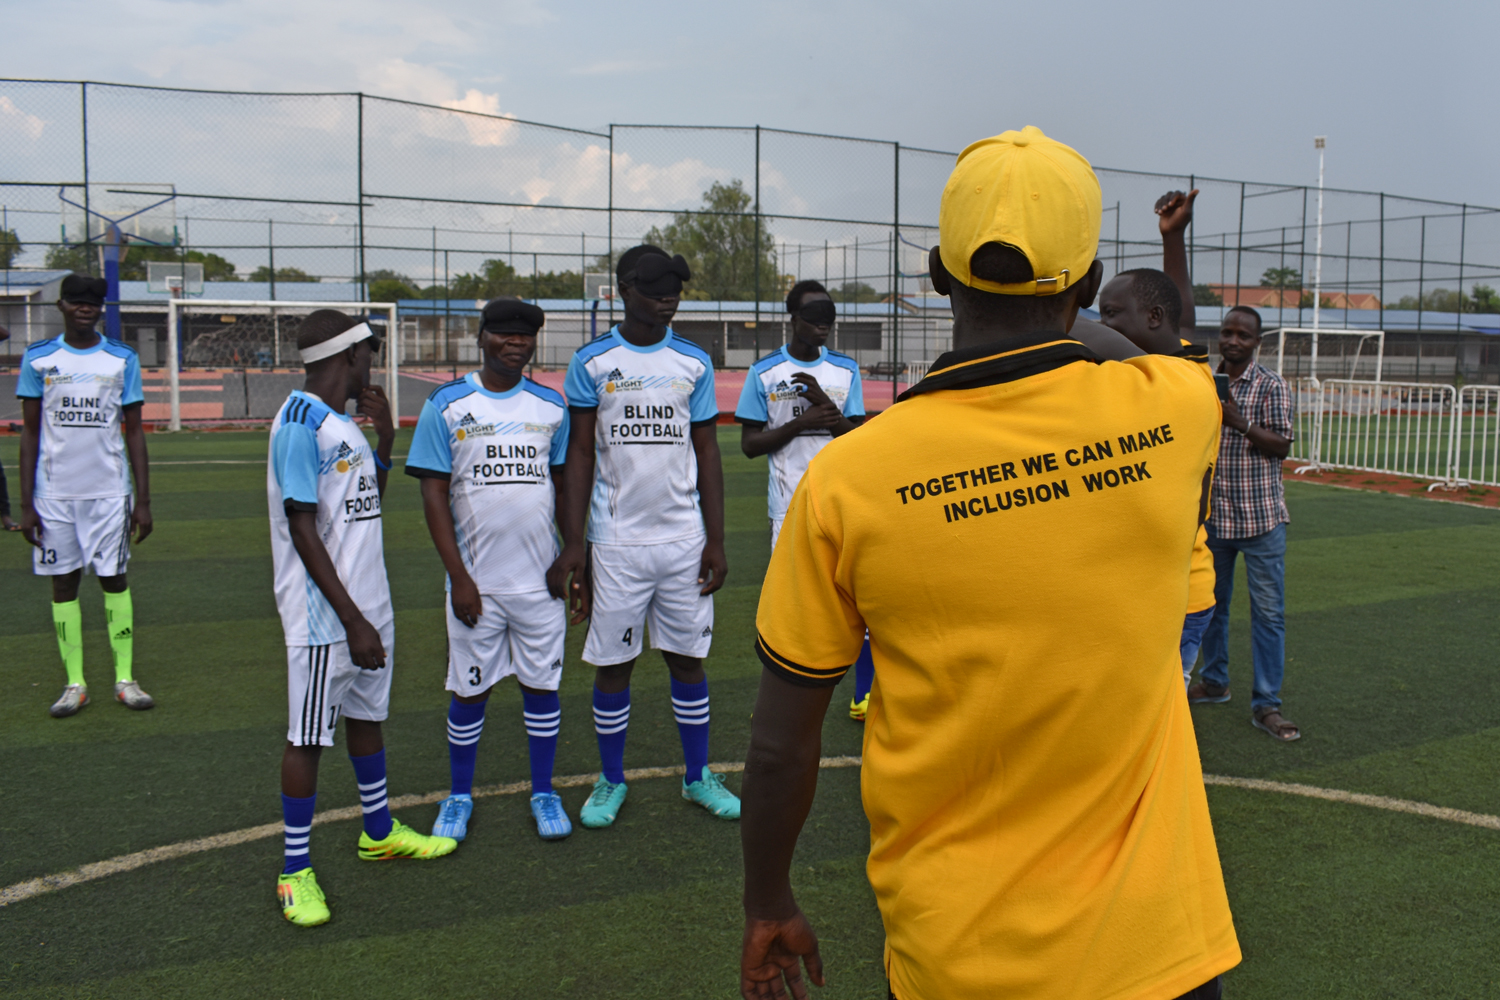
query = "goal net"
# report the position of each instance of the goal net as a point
(237, 360)
(1298, 353)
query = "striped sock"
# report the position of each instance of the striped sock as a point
(543, 714)
(690, 706)
(369, 772)
(864, 672)
(611, 721)
(465, 723)
(296, 819)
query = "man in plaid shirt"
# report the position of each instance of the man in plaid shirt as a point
(1249, 516)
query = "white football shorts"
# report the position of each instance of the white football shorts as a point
(519, 634)
(637, 584)
(322, 683)
(79, 533)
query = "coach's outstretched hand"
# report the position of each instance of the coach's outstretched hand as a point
(773, 953)
(1175, 210)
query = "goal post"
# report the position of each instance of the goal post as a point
(248, 336)
(1303, 352)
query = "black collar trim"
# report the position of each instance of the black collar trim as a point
(1007, 360)
(1193, 352)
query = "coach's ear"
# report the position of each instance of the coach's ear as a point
(942, 281)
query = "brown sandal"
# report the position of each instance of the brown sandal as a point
(1269, 720)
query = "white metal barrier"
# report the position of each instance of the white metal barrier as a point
(1395, 428)
(916, 371)
(1476, 435)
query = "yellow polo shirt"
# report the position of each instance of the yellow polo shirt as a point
(1201, 579)
(1015, 534)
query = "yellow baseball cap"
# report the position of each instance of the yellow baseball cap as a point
(1028, 191)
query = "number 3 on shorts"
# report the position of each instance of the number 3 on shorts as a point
(475, 676)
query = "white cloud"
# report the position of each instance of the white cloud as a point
(13, 117)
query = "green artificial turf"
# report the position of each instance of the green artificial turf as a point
(1390, 649)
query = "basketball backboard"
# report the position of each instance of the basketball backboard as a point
(147, 211)
(598, 286)
(174, 277)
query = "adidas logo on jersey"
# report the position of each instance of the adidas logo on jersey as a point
(346, 458)
(468, 418)
(616, 374)
(469, 427)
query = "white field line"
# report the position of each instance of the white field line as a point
(130, 862)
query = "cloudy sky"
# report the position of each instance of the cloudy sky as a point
(1405, 94)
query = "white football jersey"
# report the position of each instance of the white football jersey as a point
(497, 451)
(648, 399)
(82, 453)
(771, 398)
(320, 461)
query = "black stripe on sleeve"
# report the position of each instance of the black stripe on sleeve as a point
(704, 423)
(795, 673)
(418, 472)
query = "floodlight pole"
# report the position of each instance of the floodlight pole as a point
(1318, 142)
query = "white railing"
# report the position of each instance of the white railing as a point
(1476, 435)
(916, 371)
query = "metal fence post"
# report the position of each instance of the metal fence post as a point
(364, 288)
(757, 241)
(83, 94)
(1239, 245)
(896, 279)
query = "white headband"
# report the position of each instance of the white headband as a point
(334, 345)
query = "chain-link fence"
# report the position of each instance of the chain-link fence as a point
(356, 197)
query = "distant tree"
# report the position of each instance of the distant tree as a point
(390, 290)
(138, 255)
(1281, 277)
(76, 258)
(1485, 300)
(1203, 295)
(263, 273)
(10, 248)
(496, 278)
(720, 246)
(855, 291)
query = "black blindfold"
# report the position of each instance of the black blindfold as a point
(819, 313)
(660, 277)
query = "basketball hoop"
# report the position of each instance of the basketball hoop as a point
(174, 286)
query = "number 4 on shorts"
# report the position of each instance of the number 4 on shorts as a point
(629, 633)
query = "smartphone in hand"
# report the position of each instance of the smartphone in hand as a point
(1221, 384)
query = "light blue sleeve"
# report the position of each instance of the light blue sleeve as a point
(704, 402)
(294, 460)
(579, 385)
(560, 441)
(854, 403)
(752, 405)
(430, 447)
(132, 389)
(29, 385)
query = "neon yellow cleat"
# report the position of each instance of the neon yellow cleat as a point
(404, 842)
(858, 709)
(302, 901)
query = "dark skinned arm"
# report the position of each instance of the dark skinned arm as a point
(715, 565)
(781, 777)
(365, 647)
(31, 432)
(1176, 212)
(822, 415)
(1265, 439)
(374, 406)
(135, 448)
(467, 606)
(578, 485)
(577, 592)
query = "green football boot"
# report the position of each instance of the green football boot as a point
(404, 842)
(709, 792)
(302, 901)
(603, 805)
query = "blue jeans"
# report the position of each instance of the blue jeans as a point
(1265, 571)
(1193, 627)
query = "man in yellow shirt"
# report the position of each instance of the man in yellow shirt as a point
(1016, 536)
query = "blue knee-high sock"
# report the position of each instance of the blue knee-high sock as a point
(296, 818)
(543, 714)
(369, 772)
(611, 720)
(465, 723)
(690, 706)
(864, 672)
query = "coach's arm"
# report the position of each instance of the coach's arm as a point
(781, 776)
